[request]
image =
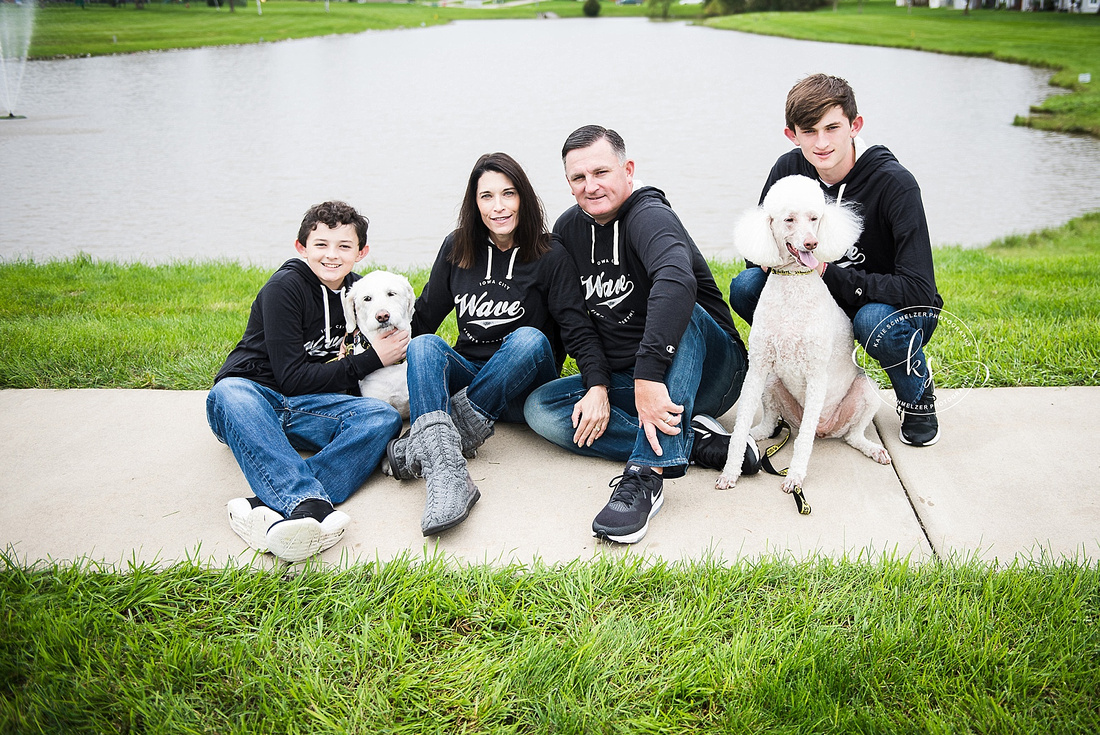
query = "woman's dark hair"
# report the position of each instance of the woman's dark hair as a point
(333, 214)
(530, 235)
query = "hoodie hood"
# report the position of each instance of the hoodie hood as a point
(640, 198)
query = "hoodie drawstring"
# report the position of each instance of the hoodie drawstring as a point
(511, 262)
(614, 246)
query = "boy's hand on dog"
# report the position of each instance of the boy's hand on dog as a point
(656, 411)
(391, 346)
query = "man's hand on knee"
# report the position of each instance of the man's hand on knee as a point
(656, 411)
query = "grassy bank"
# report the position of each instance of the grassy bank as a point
(600, 647)
(1065, 42)
(65, 30)
(1032, 304)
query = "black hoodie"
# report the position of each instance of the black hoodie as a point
(891, 263)
(501, 292)
(641, 275)
(293, 334)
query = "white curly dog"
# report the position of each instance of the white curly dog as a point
(378, 303)
(801, 342)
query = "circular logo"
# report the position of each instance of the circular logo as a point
(904, 335)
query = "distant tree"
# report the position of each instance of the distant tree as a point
(658, 8)
(591, 8)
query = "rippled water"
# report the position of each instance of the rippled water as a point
(216, 153)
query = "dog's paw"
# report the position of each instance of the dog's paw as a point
(792, 483)
(725, 481)
(881, 456)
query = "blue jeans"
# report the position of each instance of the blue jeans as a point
(496, 387)
(705, 377)
(894, 337)
(265, 430)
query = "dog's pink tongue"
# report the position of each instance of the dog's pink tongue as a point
(807, 259)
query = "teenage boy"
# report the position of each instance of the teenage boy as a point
(664, 328)
(885, 283)
(285, 388)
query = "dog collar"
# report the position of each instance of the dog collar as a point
(790, 273)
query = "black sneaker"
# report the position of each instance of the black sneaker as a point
(712, 444)
(919, 425)
(637, 497)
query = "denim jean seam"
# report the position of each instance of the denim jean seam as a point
(257, 466)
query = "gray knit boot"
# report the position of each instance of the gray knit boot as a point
(472, 427)
(435, 446)
(395, 462)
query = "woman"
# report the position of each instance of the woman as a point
(518, 305)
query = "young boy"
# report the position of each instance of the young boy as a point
(284, 388)
(885, 283)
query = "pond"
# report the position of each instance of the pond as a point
(217, 152)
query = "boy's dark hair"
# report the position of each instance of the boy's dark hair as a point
(811, 98)
(333, 214)
(530, 234)
(590, 134)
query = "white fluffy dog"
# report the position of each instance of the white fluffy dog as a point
(377, 303)
(801, 342)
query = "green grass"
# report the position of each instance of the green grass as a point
(1031, 303)
(1066, 42)
(66, 30)
(609, 646)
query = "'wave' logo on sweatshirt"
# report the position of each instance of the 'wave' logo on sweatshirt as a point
(486, 312)
(613, 291)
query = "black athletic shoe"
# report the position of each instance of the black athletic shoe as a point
(919, 425)
(712, 444)
(636, 498)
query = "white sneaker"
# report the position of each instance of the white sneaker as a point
(250, 518)
(302, 535)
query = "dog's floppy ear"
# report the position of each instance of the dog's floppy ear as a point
(409, 294)
(837, 231)
(349, 310)
(753, 239)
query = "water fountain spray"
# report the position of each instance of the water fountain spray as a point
(16, 27)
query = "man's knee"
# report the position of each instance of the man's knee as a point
(745, 290)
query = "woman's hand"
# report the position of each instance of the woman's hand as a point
(590, 416)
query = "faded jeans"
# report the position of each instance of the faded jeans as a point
(496, 388)
(265, 430)
(705, 377)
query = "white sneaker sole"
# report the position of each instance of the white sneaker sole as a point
(298, 539)
(633, 538)
(709, 424)
(250, 523)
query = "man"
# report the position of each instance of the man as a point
(665, 330)
(885, 283)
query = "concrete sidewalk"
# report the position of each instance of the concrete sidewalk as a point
(136, 475)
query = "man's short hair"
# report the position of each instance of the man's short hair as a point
(811, 98)
(591, 134)
(333, 214)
